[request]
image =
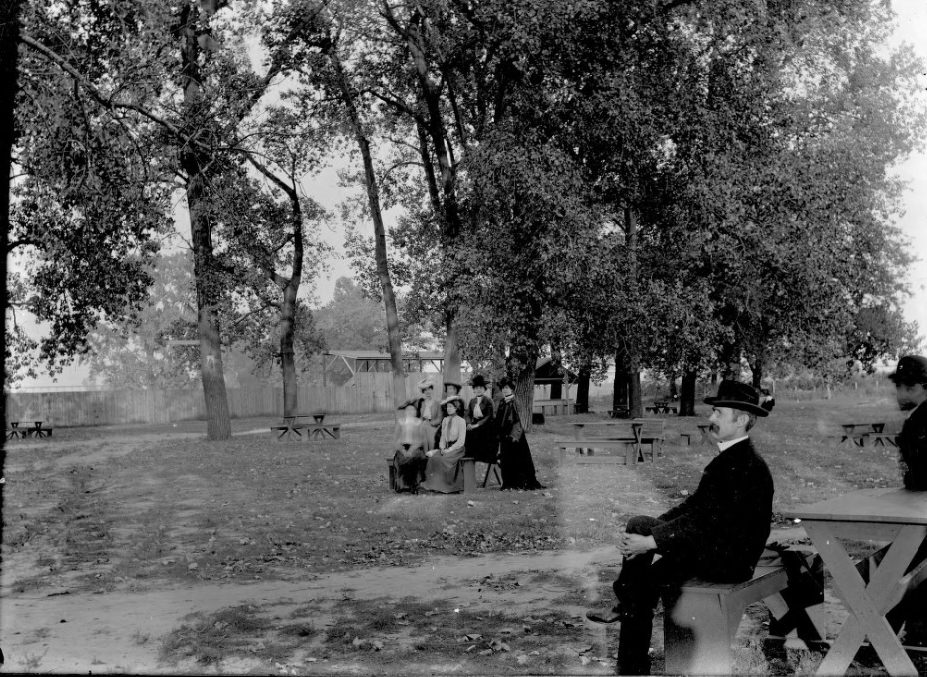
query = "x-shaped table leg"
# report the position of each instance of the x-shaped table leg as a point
(867, 603)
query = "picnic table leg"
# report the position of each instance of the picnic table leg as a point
(867, 603)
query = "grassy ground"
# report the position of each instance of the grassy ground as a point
(130, 509)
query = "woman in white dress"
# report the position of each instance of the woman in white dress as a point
(443, 473)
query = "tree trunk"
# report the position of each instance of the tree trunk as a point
(451, 351)
(193, 160)
(9, 42)
(634, 376)
(394, 337)
(582, 389)
(286, 327)
(634, 391)
(622, 388)
(757, 368)
(524, 389)
(687, 394)
(673, 392)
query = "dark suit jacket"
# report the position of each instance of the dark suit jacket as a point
(722, 528)
(912, 447)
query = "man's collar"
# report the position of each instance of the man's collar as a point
(730, 443)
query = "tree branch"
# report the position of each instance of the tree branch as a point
(105, 101)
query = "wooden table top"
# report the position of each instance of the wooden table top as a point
(895, 506)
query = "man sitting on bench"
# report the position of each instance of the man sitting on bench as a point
(716, 534)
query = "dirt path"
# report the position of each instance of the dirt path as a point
(120, 631)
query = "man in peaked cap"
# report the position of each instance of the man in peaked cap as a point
(716, 534)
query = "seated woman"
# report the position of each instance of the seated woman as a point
(409, 461)
(442, 472)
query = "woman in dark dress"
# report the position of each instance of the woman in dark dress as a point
(481, 434)
(514, 453)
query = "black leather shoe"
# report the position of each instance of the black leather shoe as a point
(613, 615)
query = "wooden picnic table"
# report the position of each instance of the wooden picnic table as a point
(611, 432)
(894, 516)
(37, 429)
(849, 428)
(854, 433)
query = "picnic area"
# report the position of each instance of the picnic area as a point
(157, 552)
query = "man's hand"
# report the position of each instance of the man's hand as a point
(632, 545)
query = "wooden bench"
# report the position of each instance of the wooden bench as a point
(607, 436)
(700, 626)
(586, 451)
(652, 432)
(467, 467)
(37, 429)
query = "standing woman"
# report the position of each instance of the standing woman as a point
(481, 434)
(442, 472)
(429, 410)
(514, 453)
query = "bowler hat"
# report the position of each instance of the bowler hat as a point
(911, 370)
(478, 381)
(737, 395)
(452, 383)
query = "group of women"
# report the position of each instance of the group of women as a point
(433, 436)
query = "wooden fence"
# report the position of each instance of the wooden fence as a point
(365, 393)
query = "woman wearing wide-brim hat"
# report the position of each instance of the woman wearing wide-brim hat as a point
(482, 443)
(443, 472)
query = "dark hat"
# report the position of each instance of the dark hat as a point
(452, 383)
(411, 402)
(505, 381)
(737, 395)
(478, 381)
(911, 370)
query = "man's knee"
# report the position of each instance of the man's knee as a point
(641, 524)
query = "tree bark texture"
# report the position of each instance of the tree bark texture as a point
(524, 388)
(193, 160)
(622, 386)
(582, 390)
(687, 394)
(634, 375)
(756, 366)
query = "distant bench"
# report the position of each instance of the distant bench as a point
(35, 430)
(467, 466)
(316, 430)
(661, 408)
(626, 437)
(856, 434)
